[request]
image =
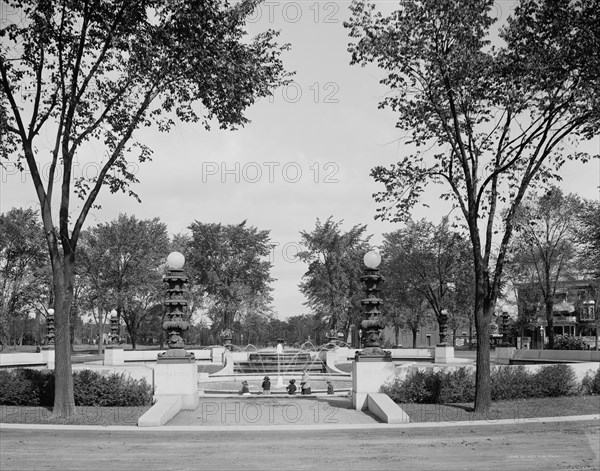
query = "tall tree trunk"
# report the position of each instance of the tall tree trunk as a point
(414, 337)
(549, 303)
(64, 404)
(471, 332)
(132, 335)
(483, 314)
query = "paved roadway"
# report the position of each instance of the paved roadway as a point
(531, 446)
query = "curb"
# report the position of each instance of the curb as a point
(299, 428)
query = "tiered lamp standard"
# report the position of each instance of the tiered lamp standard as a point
(443, 322)
(175, 303)
(114, 327)
(48, 349)
(505, 330)
(372, 325)
(227, 336)
(50, 326)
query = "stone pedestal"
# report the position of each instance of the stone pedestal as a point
(175, 378)
(113, 356)
(217, 354)
(48, 356)
(444, 354)
(367, 378)
(504, 354)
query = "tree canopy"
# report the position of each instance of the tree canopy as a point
(332, 283)
(486, 121)
(230, 263)
(78, 76)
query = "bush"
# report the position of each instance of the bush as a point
(420, 387)
(590, 384)
(94, 389)
(431, 387)
(567, 342)
(555, 380)
(457, 386)
(27, 387)
(508, 382)
(512, 382)
(17, 390)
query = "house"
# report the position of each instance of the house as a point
(574, 310)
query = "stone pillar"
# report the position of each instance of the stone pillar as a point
(367, 378)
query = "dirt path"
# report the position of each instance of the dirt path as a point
(547, 446)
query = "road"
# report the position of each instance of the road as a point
(532, 446)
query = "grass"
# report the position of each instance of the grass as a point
(83, 415)
(517, 410)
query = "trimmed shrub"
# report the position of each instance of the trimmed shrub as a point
(27, 387)
(93, 389)
(567, 342)
(590, 384)
(508, 382)
(17, 390)
(457, 386)
(420, 387)
(512, 382)
(556, 380)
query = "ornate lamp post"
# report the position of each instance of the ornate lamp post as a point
(114, 327)
(175, 303)
(505, 330)
(50, 326)
(227, 336)
(443, 321)
(372, 323)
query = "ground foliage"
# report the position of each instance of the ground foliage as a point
(28, 387)
(488, 122)
(79, 78)
(507, 383)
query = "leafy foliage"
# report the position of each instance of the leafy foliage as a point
(508, 382)
(427, 262)
(24, 277)
(121, 264)
(591, 383)
(92, 74)
(332, 283)
(27, 387)
(568, 342)
(229, 263)
(487, 122)
(545, 244)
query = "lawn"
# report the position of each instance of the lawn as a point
(518, 411)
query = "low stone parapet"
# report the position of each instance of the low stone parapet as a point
(161, 412)
(386, 410)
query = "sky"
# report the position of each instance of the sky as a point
(306, 154)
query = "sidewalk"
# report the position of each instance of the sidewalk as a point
(271, 410)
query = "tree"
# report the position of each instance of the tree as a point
(332, 283)
(230, 263)
(124, 258)
(589, 237)
(97, 71)
(23, 263)
(545, 243)
(492, 120)
(430, 263)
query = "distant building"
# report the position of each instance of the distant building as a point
(574, 310)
